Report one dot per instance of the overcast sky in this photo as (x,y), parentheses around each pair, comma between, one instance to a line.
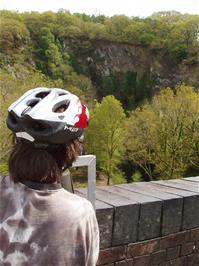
(141,8)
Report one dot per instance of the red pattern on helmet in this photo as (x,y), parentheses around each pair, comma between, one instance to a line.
(83,119)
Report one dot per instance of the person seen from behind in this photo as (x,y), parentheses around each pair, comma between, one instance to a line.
(43,224)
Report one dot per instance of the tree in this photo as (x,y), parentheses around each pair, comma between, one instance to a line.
(183,38)
(49,56)
(162,137)
(104,135)
(128,88)
(93,30)
(67,25)
(139,32)
(116,25)
(14,36)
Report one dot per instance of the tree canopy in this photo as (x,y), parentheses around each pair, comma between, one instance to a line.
(65,50)
(162,137)
(104,135)
(176,32)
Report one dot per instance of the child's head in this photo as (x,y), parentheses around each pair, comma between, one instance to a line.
(48,125)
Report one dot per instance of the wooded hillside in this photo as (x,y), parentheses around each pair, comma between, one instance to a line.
(96,56)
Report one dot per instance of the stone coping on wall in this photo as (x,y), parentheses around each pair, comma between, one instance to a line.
(141,211)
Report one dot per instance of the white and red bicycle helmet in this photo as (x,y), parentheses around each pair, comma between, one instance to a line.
(48,115)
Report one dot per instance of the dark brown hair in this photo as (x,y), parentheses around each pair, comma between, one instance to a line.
(41,165)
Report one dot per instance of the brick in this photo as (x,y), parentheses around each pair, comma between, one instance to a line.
(182,261)
(125,224)
(193,259)
(105,222)
(187,248)
(111,255)
(172,216)
(142,260)
(149,224)
(142,248)
(186,184)
(175,239)
(173,253)
(195,234)
(172,206)
(193,179)
(181,184)
(158,257)
(191,217)
(124,263)
(125,216)
(162,186)
(104,214)
(150,211)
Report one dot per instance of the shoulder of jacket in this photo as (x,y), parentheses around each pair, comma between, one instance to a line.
(5,181)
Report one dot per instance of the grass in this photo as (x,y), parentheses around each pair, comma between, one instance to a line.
(80,179)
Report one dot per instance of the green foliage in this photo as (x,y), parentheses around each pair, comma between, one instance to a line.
(118,177)
(14,36)
(116,25)
(127,87)
(170,30)
(103,137)
(97,19)
(67,25)
(175,32)
(162,137)
(136,177)
(180,34)
(3,169)
(139,32)
(48,54)
(37,50)
(93,30)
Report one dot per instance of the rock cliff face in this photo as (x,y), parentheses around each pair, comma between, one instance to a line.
(100,59)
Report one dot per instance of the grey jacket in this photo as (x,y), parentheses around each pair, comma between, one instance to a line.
(45,225)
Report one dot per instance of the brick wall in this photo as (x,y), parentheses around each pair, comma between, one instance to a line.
(155,223)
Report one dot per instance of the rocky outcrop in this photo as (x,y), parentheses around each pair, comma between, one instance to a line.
(100,59)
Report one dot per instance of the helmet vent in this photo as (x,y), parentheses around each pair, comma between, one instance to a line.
(42,94)
(61,107)
(32,103)
(13,119)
